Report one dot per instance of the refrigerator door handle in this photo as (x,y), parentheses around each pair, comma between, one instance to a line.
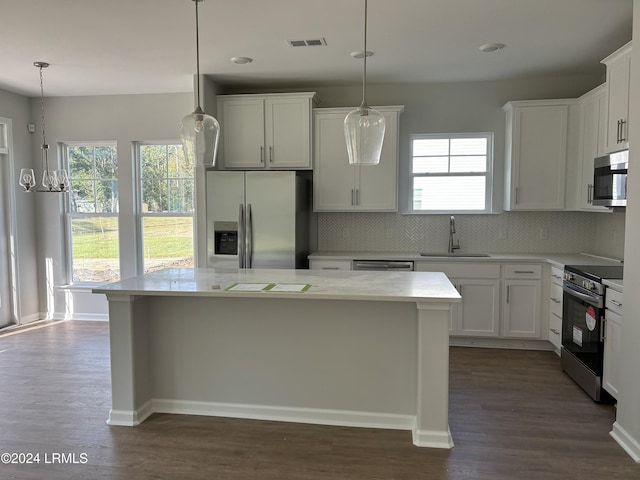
(241,238)
(249,240)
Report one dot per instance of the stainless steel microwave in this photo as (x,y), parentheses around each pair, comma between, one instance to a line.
(610,179)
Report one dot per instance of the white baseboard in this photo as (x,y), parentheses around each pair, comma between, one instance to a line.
(508,343)
(34,317)
(87,317)
(626,441)
(129,418)
(316,416)
(432,439)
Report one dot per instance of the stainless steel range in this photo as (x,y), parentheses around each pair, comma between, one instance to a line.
(583,325)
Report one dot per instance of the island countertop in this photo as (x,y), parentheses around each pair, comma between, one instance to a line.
(330,285)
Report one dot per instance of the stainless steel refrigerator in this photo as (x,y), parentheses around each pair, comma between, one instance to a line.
(258,219)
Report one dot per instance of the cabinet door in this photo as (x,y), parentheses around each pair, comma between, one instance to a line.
(521,309)
(618,75)
(377,185)
(479,313)
(612,341)
(537,157)
(288,133)
(333,177)
(242,128)
(592,140)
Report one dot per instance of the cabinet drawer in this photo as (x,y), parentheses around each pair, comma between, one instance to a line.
(522,271)
(330,264)
(460,270)
(555,330)
(614,301)
(555,299)
(557,275)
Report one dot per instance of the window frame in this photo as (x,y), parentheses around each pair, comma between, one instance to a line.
(140,215)
(488,174)
(69,216)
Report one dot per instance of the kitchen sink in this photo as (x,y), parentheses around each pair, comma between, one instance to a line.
(454,254)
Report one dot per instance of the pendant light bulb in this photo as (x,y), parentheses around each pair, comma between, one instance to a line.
(199,131)
(364,127)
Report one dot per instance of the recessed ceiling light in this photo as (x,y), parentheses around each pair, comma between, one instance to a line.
(241,60)
(360,54)
(491,47)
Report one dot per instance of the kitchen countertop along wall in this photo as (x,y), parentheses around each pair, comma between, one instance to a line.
(556,259)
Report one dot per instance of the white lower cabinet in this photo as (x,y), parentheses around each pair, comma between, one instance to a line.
(479,313)
(612,341)
(479,284)
(330,264)
(521,303)
(555,308)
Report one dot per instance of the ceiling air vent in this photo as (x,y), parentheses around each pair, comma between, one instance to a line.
(315,42)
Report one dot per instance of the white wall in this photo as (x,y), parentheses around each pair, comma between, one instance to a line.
(121,118)
(16,107)
(627,427)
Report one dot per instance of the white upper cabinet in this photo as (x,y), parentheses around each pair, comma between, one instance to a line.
(339,186)
(618,82)
(265,131)
(592,139)
(537,137)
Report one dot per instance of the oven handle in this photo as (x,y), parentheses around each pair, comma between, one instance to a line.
(590,299)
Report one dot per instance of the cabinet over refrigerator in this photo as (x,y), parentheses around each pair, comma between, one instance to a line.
(258,219)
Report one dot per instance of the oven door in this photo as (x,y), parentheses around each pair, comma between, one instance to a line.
(583,326)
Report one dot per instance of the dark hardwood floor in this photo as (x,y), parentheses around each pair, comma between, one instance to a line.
(513,415)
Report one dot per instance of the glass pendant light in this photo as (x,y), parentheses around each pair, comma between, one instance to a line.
(364,127)
(199,131)
(52,180)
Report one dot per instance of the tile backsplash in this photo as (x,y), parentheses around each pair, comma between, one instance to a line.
(507,232)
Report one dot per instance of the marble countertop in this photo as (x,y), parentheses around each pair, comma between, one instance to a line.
(428,287)
(557,259)
(616,284)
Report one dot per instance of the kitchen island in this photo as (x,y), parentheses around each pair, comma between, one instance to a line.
(368,349)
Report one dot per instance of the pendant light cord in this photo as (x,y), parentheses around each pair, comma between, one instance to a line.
(44,147)
(197,58)
(364,69)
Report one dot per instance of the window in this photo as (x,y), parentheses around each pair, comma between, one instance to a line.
(166,207)
(92,212)
(451,173)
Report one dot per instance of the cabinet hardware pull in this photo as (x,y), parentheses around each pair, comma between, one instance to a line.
(357,196)
(507,293)
(590,194)
(270,154)
(261,154)
(524,271)
(622,135)
(555,300)
(555,331)
(617,304)
(557,276)
(330,268)
(516,195)
(353,197)
(603,333)
(618,133)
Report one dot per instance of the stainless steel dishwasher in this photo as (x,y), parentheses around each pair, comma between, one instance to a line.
(383,265)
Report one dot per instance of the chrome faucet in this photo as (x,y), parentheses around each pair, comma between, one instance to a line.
(453,246)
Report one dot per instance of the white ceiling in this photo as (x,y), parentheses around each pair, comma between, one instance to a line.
(100,47)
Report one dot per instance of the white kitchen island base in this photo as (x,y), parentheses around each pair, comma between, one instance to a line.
(338,358)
